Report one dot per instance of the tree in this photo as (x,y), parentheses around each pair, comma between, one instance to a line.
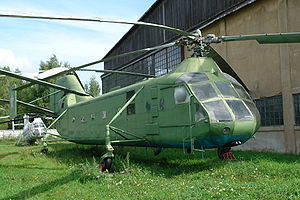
(52,63)
(93,87)
(4,108)
(28,94)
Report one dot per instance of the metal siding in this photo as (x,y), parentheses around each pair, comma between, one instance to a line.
(180,14)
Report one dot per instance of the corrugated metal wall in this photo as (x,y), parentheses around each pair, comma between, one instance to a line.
(182,14)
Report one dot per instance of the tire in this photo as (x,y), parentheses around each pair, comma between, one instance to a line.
(189,150)
(221,151)
(106,165)
(45,151)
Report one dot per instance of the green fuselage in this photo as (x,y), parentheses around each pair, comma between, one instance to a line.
(195,106)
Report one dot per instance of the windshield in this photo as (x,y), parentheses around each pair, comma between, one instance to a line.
(204,91)
(254,110)
(239,110)
(227,89)
(242,92)
(218,111)
(192,77)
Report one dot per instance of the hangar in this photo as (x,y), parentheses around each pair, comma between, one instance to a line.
(271,72)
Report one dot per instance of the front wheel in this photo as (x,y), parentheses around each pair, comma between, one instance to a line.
(222,150)
(106,165)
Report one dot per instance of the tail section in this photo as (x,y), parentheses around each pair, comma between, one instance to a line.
(62,100)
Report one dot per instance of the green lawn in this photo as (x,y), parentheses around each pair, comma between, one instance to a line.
(70,171)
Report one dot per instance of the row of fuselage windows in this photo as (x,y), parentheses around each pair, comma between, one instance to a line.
(271,110)
(104,114)
(130,109)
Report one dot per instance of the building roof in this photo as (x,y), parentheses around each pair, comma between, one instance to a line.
(195,14)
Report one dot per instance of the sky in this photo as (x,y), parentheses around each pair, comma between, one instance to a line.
(24,43)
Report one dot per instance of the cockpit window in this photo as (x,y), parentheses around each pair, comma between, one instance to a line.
(254,110)
(218,112)
(192,77)
(226,89)
(242,92)
(204,91)
(231,79)
(240,111)
(199,113)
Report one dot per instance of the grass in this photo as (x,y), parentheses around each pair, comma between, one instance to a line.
(70,171)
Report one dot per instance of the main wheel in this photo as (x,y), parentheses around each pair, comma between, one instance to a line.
(106,165)
(222,150)
(45,150)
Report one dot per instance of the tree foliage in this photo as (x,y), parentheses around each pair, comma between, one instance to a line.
(28,94)
(93,87)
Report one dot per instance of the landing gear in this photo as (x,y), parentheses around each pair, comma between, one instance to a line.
(189,150)
(44,150)
(157,151)
(106,165)
(222,151)
(106,158)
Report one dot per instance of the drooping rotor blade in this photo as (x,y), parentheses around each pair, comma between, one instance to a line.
(224,66)
(4,117)
(95,19)
(9,121)
(104,60)
(41,82)
(46,75)
(51,73)
(118,72)
(18,119)
(272,38)
(42,109)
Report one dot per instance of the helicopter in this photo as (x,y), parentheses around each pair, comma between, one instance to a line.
(32,131)
(202,104)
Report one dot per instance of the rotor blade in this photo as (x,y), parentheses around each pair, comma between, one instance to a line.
(117,72)
(272,38)
(9,121)
(224,66)
(45,110)
(51,73)
(46,75)
(41,82)
(95,19)
(4,117)
(105,60)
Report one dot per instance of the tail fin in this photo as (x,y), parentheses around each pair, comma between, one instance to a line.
(62,100)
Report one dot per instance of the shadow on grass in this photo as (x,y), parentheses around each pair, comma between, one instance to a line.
(7,154)
(43,187)
(169,163)
(28,166)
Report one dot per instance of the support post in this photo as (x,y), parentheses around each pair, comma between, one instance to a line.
(286,85)
(109,148)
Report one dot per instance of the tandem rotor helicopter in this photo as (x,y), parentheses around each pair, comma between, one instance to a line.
(202,104)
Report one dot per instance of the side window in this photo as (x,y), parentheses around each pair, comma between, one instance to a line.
(130,107)
(199,113)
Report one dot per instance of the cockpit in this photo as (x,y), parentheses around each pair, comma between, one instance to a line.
(223,98)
